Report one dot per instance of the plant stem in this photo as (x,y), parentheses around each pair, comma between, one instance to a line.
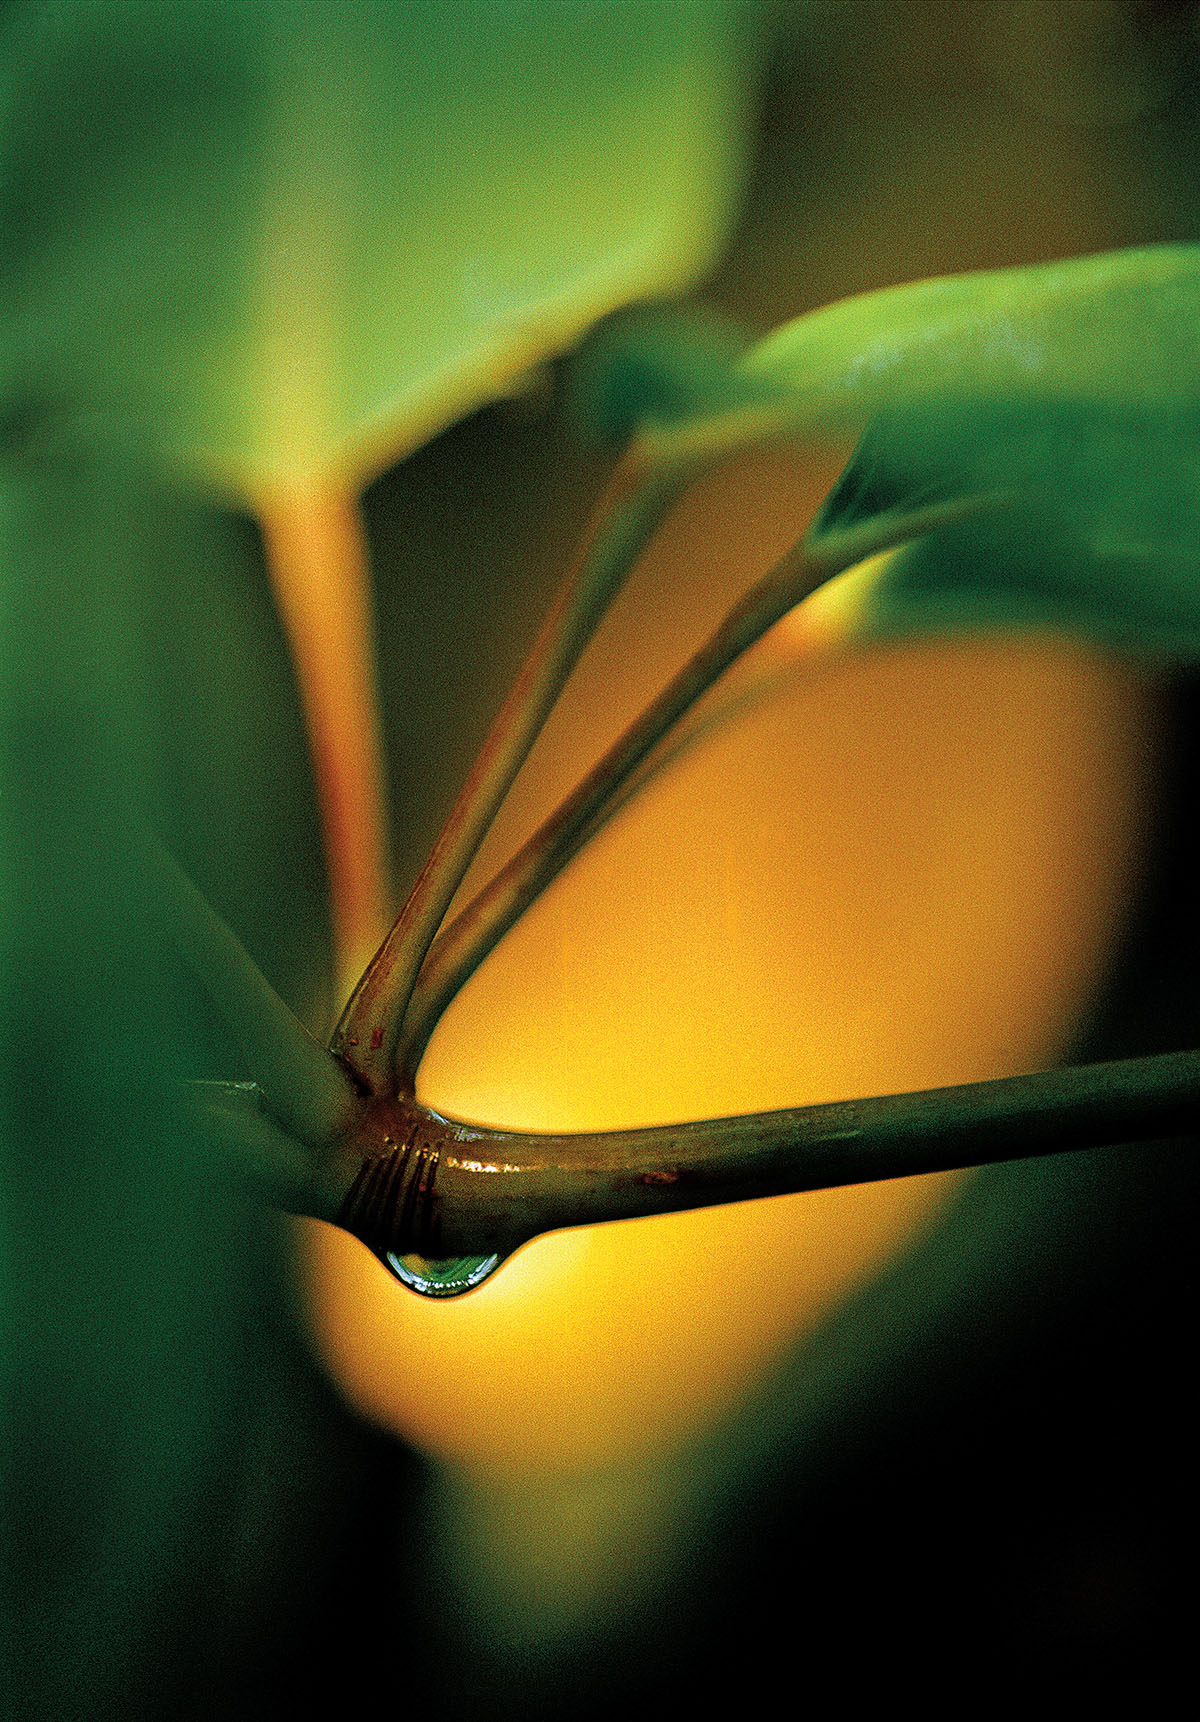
(417,1182)
(814,652)
(475,933)
(317,559)
(306,1091)
(630,511)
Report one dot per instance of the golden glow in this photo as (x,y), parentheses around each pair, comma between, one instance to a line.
(316,555)
(903,870)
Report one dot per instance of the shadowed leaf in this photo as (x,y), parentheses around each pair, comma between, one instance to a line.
(1096,527)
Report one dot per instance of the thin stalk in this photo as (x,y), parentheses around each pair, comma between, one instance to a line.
(813,653)
(686,735)
(419,1183)
(633,506)
(476,932)
(305,1090)
(317,559)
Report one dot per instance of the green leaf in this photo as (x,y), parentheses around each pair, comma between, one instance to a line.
(1119,332)
(1085,467)
(302,236)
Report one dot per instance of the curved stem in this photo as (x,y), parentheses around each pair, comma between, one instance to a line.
(632,508)
(475,933)
(417,1182)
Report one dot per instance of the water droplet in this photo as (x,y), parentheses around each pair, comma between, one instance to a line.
(448,1278)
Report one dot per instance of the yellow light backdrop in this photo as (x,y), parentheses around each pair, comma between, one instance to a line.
(905,868)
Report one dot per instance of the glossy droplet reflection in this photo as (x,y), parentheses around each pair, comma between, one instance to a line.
(450,1277)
